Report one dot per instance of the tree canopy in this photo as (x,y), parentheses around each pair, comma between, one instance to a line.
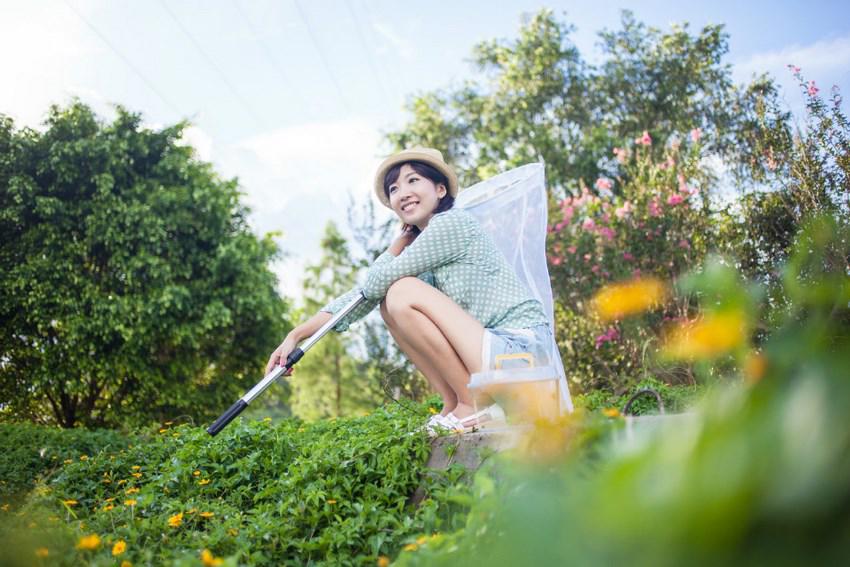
(131,286)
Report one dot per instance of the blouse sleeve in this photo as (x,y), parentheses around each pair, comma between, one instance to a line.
(444,240)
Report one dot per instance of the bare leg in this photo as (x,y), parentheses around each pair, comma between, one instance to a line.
(439,332)
(431,373)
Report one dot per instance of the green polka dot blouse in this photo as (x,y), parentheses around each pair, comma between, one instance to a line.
(456,256)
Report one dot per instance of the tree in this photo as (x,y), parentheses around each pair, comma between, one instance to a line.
(132,288)
(329,381)
(539,100)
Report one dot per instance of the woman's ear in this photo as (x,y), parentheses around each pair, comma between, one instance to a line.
(442,191)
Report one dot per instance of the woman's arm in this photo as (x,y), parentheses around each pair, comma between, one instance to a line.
(295,336)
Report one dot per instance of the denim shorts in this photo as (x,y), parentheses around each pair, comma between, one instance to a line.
(516,348)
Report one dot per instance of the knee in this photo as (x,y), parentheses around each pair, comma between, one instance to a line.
(385,313)
(399,297)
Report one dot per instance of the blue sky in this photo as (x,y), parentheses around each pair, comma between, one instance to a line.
(292,96)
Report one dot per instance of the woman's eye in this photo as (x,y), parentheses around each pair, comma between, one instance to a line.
(412,179)
(393,188)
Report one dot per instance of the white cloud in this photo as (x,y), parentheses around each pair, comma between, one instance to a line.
(200,140)
(40,44)
(825,57)
(296,179)
(403,48)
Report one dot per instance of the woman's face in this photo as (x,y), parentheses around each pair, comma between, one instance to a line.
(414,197)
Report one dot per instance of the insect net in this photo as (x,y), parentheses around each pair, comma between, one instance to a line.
(512,208)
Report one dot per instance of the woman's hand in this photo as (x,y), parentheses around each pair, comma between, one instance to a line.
(278,357)
(404,240)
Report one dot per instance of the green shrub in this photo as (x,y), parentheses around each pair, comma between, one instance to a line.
(332,492)
(31,452)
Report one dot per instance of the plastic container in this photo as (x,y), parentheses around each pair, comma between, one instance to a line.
(525,394)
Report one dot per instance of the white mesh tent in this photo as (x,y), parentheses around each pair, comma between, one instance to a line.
(512,209)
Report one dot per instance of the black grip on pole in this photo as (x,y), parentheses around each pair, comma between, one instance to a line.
(227,417)
(294,357)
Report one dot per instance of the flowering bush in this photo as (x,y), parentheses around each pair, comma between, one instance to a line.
(650,222)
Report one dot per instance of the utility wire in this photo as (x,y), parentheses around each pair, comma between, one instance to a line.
(126,61)
(371,17)
(322,56)
(287,81)
(375,72)
(216,68)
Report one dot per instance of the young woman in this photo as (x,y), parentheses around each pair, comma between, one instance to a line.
(446,293)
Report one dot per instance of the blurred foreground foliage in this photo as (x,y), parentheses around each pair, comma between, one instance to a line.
(758,474)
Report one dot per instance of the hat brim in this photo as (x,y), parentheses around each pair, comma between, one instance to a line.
(412,155)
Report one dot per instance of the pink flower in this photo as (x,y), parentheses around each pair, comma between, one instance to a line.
(568,214)
(607,233)
(623,211)
(572,249)
(604,185)
(645,140)
(560,226)
(612,334)
(812,90)
(588,224)
(794,69)
(555,260)
(654,207)
(587,257)
(683,243)
(696,134)
(674,199)
(622,154)
(595,269)
(668,163)
(628,257)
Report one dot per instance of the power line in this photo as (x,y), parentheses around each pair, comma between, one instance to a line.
(270,55)
(322,56)
(370,16)
(375,73)
(126,61)
(216,68)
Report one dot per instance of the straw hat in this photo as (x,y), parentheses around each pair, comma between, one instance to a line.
(426,155)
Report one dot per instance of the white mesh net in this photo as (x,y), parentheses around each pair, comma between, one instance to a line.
(512,209)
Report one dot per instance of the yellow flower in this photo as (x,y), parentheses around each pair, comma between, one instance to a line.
(135,467)
(209,560)
(69,502)
(4,507)
(431,410)
(89,542)
(267,419)
(109,499)
(754,367)
(411,547)
(331,501)
(163,430)
(126,564)
(421,540)
(710,336)
(168,422)
(132,490)
(122,481)
(233,531)
(204,481)
(137,474)
(383,561)
(192,511)
(619,300)
(42,552)
(206,514)
(84,457)
(175,520)
(67,462)
(106,481)
(130,502)
(108,507)
(196,473)
(611,412)
(119,547)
